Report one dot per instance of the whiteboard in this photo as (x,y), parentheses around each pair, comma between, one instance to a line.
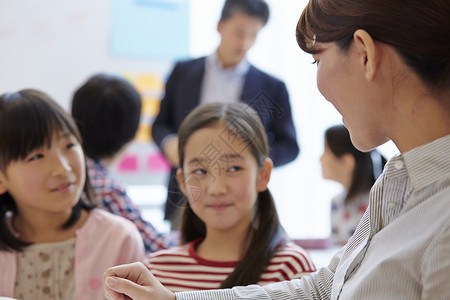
(56,45)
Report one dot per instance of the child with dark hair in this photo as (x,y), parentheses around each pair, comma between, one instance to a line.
(107,110)
(357,172)
(53,243)
(230,227)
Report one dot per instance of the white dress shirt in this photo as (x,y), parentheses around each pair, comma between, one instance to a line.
(220,84)
(401,248)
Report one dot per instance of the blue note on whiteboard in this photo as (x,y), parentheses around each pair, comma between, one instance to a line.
(154,29)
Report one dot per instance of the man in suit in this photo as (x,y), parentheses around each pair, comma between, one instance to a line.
(226,76)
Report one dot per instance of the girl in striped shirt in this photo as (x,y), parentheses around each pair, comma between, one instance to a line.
(230,227)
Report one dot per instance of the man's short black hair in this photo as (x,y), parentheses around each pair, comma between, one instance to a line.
(107,111)
(254,8)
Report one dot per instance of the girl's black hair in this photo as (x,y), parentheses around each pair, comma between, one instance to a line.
(265,234)
(28,120)
(367,169)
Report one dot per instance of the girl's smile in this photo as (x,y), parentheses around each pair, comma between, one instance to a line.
(54,177)
(221,184)
(64,187)
(219,206)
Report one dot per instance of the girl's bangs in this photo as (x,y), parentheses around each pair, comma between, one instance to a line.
(29,126)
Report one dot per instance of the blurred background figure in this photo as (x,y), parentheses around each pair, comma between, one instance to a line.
(356,171)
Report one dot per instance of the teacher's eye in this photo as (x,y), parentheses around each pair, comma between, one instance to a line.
(315,62)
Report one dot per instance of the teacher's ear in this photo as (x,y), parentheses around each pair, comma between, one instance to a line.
(367,52)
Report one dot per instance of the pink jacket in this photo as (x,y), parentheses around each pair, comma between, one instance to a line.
(105,240)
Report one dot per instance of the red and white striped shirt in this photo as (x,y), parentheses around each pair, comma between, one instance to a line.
(181,269)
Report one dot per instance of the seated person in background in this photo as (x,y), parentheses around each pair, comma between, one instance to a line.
(357,172)
(230,227)
(53,243)
(107,110)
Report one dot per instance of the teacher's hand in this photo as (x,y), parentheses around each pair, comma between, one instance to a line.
(134,281)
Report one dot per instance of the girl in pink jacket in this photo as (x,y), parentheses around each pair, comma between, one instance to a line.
(53,245)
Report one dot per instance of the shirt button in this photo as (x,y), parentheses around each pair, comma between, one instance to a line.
(398,165)
(392,204)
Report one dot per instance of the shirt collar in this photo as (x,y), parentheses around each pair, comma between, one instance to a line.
(96,164)
(428,163)
(213,63)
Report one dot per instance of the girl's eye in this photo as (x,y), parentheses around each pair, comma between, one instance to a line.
(71,142)
(36,157)
(199,172)
(234,169)
(315,62)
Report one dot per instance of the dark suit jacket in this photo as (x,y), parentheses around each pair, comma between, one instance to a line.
(265,94)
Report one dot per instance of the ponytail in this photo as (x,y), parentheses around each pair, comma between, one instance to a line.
(265,239)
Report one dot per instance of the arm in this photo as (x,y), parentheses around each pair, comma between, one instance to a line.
(165,127)
(315,286)
(134,281)
(283,144)
(164,123)
(436,267)
(169,147)
(269,97)
(181,96)
(137,282)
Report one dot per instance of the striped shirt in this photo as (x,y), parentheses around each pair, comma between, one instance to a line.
(401,248)
(181,269)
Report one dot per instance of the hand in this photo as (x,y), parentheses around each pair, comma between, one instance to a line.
(171,151)
(134,281)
